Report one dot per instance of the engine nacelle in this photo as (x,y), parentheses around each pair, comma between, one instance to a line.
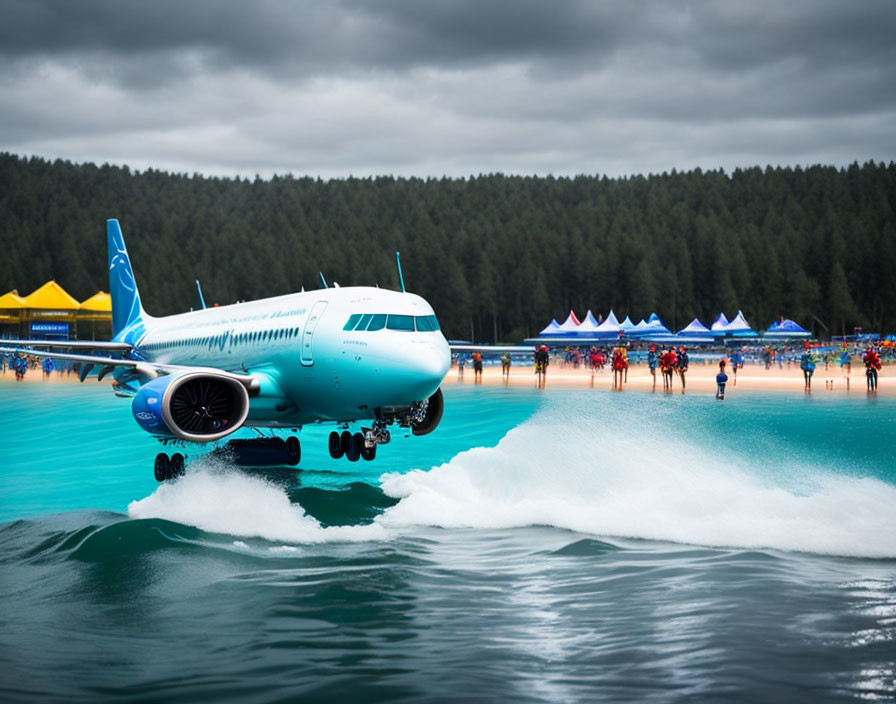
(194,406)
(431,415)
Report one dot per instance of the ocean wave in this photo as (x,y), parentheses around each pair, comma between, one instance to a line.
(571,466)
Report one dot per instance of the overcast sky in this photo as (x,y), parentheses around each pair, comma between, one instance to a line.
(453,87)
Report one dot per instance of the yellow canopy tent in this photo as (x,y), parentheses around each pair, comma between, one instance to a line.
(11,305)
(12,301)
(97,307)
(51,297)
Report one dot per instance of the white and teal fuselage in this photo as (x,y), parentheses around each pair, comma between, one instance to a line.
(311,368)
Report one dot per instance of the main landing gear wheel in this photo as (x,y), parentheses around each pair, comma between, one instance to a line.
(345,440)
(335,446)
(161,467)
(165,469)
(176,466)
(293,450)
(356,442)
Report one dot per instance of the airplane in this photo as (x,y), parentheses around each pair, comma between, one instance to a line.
(337,355)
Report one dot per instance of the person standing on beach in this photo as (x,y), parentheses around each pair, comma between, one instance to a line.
(48,366)
(845,361)
(542,359)
(505,367)
(460,366)
(682,364)
(721,380)
(807,364)
(477,368)
(872,366)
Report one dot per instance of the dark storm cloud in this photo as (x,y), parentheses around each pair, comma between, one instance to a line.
(458,86)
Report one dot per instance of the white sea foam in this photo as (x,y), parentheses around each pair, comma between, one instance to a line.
(646,483)
(219,499)
(650,482)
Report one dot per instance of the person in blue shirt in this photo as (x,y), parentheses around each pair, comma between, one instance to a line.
(49,365)
(652,362)
(807,364)
(721,380)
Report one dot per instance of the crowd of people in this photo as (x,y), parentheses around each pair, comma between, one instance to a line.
(673,361)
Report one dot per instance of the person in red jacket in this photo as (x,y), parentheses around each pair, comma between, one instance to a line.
(872,366)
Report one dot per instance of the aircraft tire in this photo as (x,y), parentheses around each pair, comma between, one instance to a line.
(357,442)
(368,453)
(335,446)
(176,466)
(346,442)
(161,469)
(293,450)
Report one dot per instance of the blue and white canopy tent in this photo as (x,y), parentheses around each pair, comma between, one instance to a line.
(720,324)
(739,327)
(552,329)
(588,327)
(627,325)
(570,325)
(695,333)
(786,329)
(610,328)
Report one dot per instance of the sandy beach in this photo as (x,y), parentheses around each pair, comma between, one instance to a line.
(700,378)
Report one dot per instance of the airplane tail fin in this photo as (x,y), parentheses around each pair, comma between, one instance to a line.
(126,308)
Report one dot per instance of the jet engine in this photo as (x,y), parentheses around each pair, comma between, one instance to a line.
(194,406)
(428,414)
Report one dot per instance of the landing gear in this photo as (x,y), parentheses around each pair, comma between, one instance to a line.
(251,452)
(335,446)
(165,468)
(293,450)
(161,467)
(355,446)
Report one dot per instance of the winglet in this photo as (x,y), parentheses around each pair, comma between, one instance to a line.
(126,307)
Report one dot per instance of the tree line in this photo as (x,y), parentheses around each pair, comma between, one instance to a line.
(497,256)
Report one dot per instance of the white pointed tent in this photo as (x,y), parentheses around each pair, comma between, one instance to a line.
(570,325)
(641,328)
(610,326)
(720,324)
(552,328)
(627,324)
(739,326)
(695,327)
(588,326)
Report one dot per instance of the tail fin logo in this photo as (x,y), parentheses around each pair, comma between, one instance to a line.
(126,308)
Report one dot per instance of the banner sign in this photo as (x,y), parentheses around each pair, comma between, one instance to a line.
(49,329)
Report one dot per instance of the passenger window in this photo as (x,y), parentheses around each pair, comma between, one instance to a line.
(377,322)
(352,321)
(404,323)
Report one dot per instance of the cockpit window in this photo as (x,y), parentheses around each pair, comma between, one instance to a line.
(427,323)
(400,322)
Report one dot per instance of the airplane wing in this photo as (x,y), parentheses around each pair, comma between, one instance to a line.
(71,344)
(139,366)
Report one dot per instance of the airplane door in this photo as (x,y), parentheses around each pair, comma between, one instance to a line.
(313,317)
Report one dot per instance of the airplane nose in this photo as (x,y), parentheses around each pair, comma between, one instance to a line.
(427,363)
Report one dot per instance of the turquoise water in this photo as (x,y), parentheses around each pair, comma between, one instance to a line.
(568,546)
